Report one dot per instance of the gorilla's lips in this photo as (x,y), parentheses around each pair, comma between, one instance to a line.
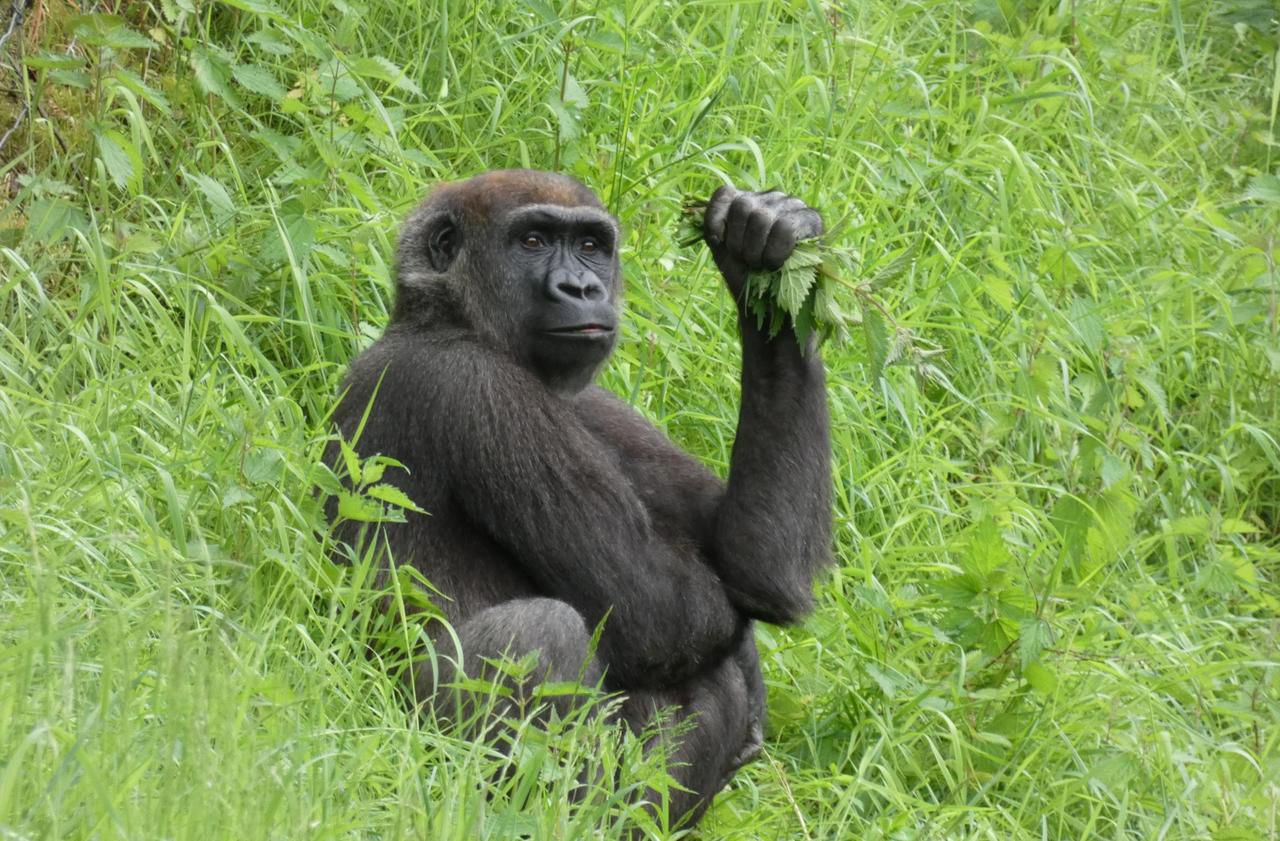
(584,330)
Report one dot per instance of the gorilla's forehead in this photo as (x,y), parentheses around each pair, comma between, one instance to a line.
(494,193)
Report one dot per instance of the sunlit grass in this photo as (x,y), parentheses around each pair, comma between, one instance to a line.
(1054,614)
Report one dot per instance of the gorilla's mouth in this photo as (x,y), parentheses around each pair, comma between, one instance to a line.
(590,330)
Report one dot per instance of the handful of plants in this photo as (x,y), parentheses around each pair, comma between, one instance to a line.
(804,290)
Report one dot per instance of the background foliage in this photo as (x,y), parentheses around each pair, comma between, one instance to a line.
(1055,612)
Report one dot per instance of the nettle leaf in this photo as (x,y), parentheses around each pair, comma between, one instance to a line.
(263,466)
(214,193)
(45,60)
(102,30)
(1034,636)
(802,290)
(987,551)
(797,277)
(877,335)
(1264,188)
(270,42)
(395,496)
(259,80)
(54,219)
(336,82)
(213,73)
(120,158)
(351,461)
(295,234)
(359,508)
(382,68)
(1040,677)
(71,78)
(133,82)
(566,116)
(258,8)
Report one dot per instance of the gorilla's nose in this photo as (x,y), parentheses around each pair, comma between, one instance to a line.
(583,286)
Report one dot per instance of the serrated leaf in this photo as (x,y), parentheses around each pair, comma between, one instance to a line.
(566,116)
(213,72)
(259,8)
(52,220)
(1264,188)
(1041,678)
(358,508)
(573,93)
(382,68)
(395,496)
(901,344)
(1072,518)
(119,157)
(373,471)
(128,79)
(263,466)
(794,282)
(336,82)
(71,78)
(896,266)
(269,42)
(214,193)
(802,322)
(877,335)
(1034,636)
(45,60)
(258,79)
(102,30)
(351,461)
(295,234)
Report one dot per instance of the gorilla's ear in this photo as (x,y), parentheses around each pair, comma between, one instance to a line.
(443,241)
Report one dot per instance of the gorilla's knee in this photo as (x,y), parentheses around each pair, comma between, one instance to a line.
(548,629)
(516,648)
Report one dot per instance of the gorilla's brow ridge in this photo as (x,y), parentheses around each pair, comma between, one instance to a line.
(562,215)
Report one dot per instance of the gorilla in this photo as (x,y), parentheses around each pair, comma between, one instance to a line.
(554,507)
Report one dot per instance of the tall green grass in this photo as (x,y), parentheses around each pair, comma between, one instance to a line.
(1055,609)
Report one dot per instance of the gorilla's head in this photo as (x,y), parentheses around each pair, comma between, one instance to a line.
(528,260)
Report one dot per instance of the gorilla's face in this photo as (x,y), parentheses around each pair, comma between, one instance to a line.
(530,261)
(562,279)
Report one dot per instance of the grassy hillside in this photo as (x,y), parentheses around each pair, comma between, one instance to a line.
(1057,445)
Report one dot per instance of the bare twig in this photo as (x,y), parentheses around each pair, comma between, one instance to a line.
(22,115)
(15,21)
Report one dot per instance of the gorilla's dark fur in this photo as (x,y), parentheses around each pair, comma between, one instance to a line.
(552,503)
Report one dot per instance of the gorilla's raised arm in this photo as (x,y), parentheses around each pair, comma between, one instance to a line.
(773,525)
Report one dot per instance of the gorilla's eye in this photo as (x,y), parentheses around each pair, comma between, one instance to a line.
(533,241)
(589,246)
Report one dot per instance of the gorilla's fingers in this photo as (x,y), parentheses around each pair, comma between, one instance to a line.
(717,212)
(755,236)
(781,242)
(735,227)
(808,224)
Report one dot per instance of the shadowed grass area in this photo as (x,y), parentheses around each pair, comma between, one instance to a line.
(1055,609)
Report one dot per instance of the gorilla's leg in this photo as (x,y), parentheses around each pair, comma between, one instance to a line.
(550,630)
(725,707)
(748,658)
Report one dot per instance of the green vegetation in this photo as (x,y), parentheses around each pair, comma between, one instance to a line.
(1055,612)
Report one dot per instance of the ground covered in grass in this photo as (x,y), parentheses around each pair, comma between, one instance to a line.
(1057,447)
